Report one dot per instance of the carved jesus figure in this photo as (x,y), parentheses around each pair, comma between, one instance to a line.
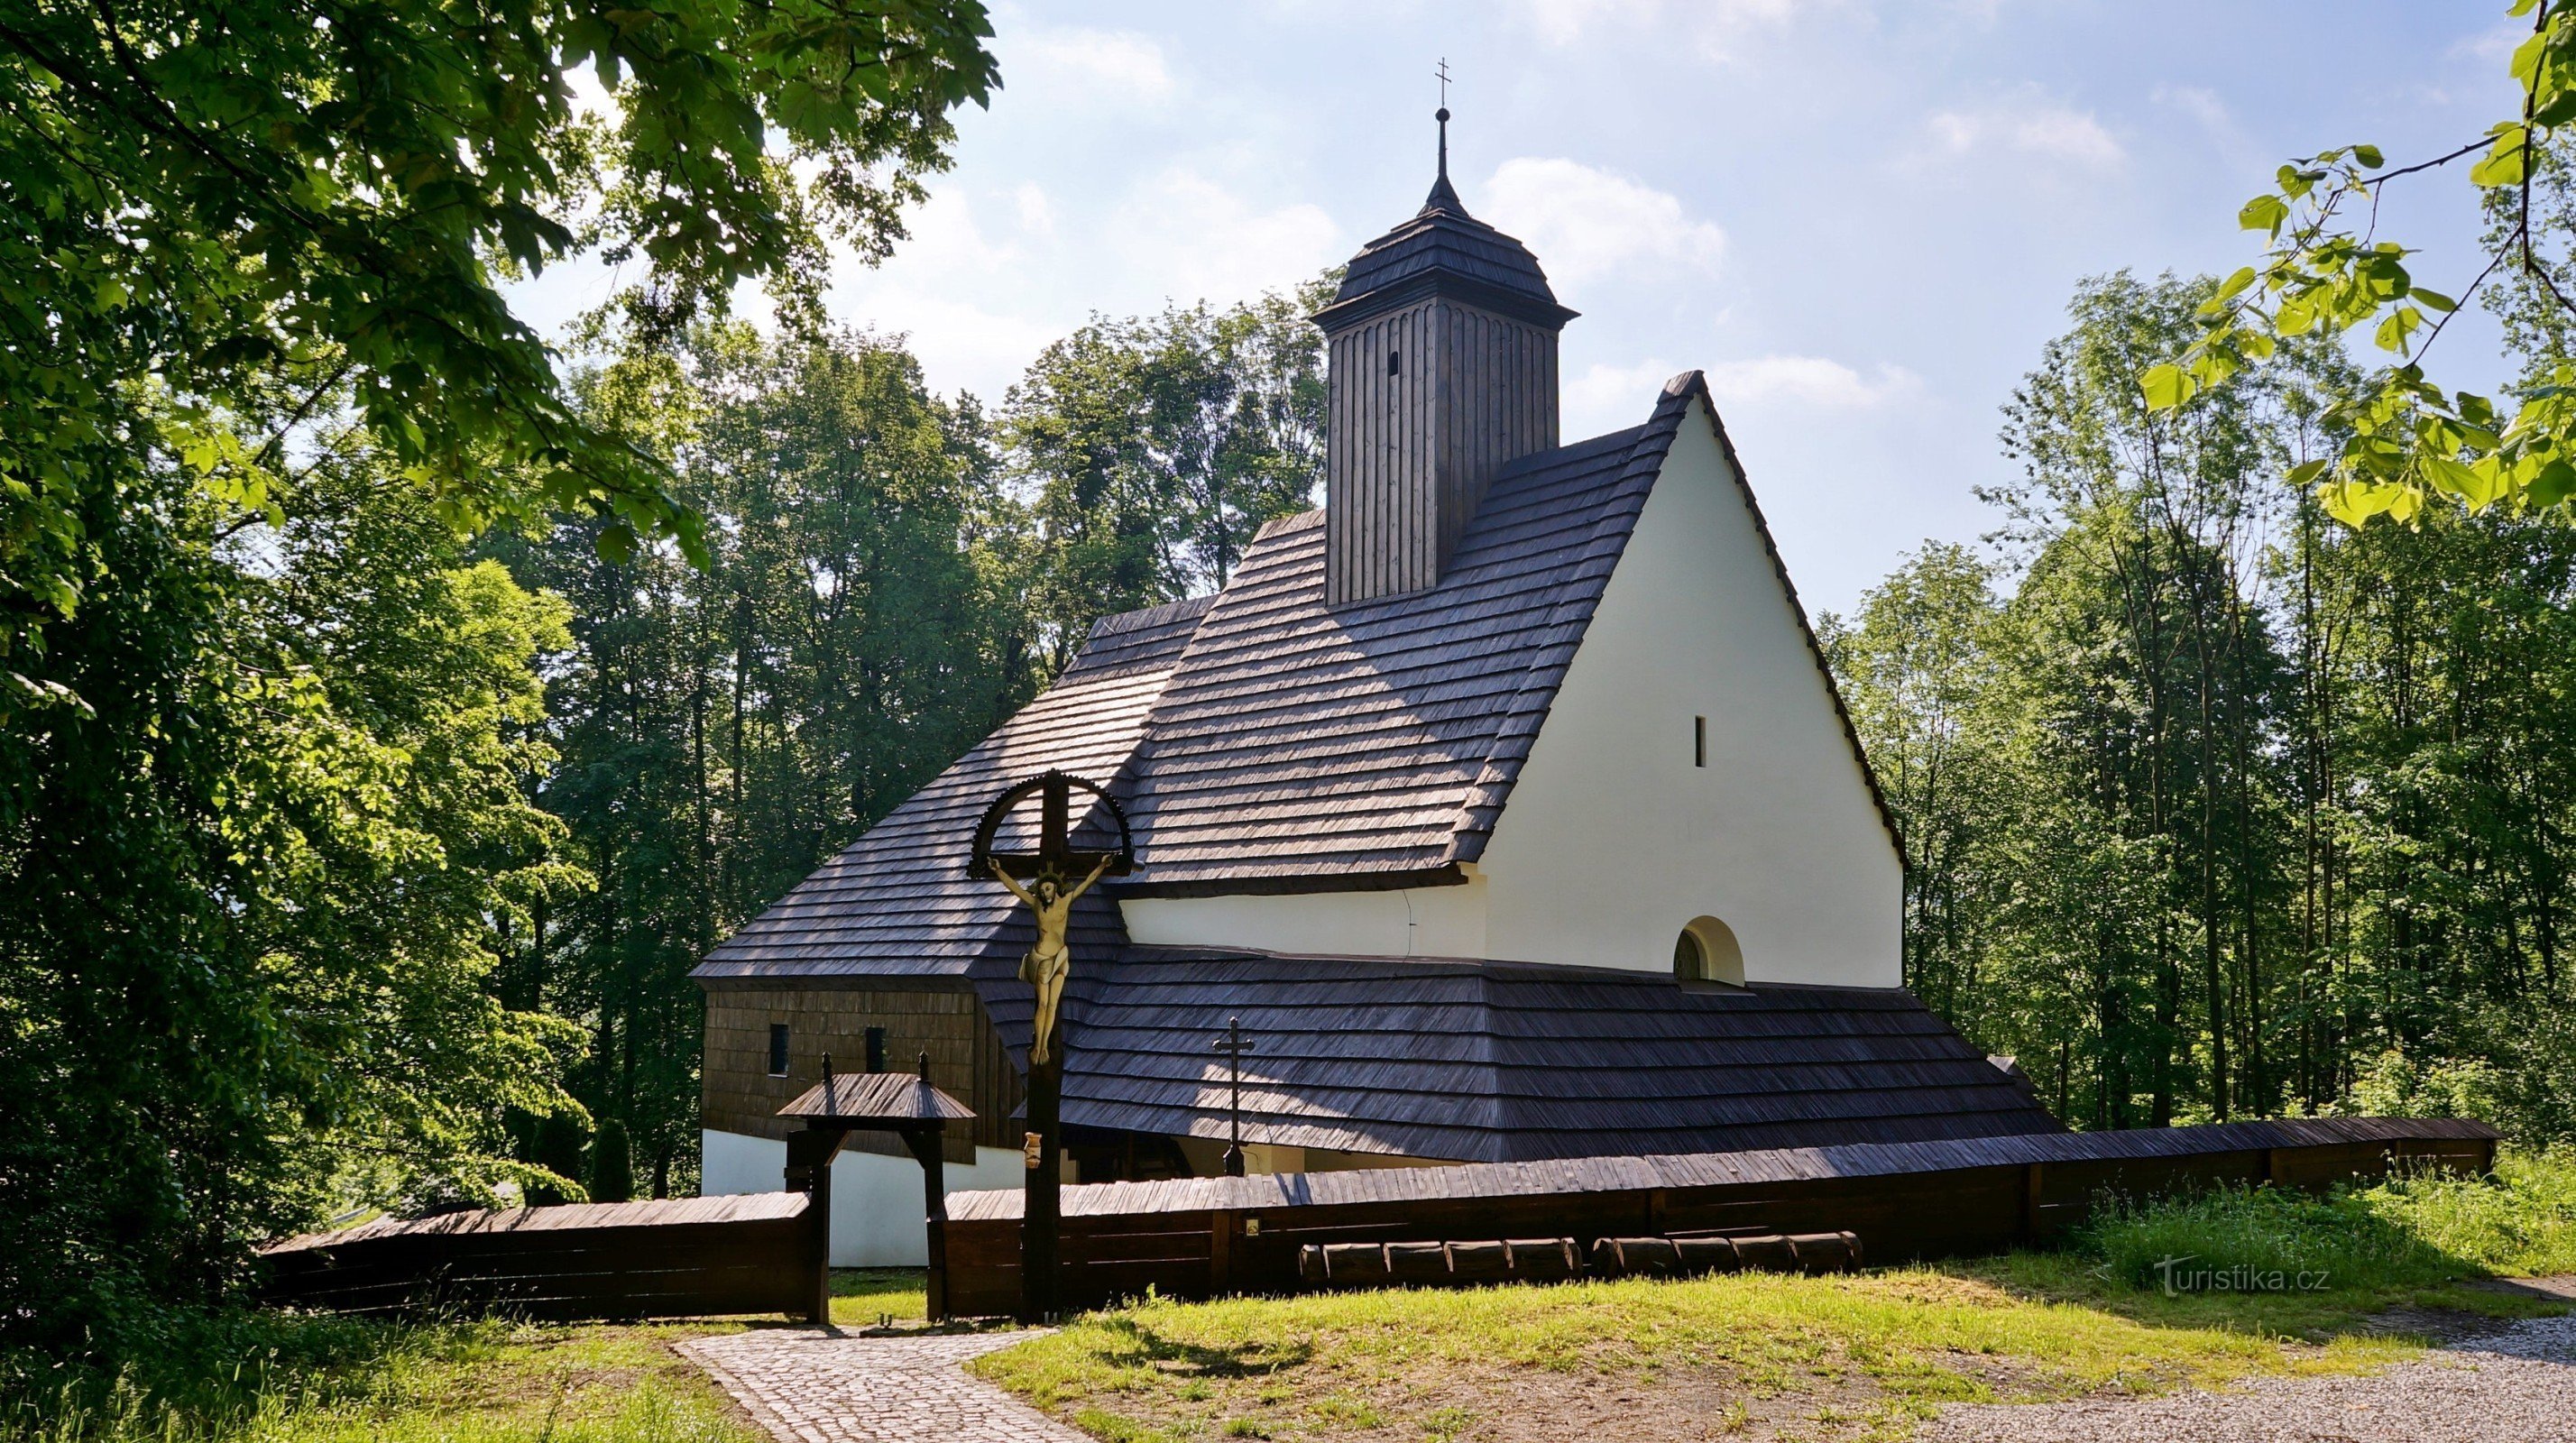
(1045,965)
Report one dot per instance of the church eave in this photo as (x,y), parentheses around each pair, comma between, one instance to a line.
(1448,285)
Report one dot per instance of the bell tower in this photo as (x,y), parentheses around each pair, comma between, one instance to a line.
(1441,360)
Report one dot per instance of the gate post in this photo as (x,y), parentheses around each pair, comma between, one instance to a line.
(809,1170)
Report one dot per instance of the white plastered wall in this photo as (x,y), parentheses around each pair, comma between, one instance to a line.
(876,1200)
(1612,840)
(1410,922)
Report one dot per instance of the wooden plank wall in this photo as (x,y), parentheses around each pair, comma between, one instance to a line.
(1409,454)
(967,1059)
(758,1259)
(1207,1252)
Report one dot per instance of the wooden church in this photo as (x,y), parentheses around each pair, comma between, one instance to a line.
(1506,801)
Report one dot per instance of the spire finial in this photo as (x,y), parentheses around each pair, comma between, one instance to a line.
(1442,115)
(1442,196)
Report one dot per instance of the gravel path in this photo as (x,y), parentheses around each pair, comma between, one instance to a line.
(807,1385)
(2518,1384)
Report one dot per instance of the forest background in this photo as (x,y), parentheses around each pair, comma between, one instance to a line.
(389,720)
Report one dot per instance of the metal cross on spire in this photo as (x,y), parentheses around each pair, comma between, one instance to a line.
(1442,115)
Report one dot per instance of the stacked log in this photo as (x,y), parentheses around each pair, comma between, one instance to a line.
(1548,1260)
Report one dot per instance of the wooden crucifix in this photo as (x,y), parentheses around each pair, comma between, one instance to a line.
(1044,880)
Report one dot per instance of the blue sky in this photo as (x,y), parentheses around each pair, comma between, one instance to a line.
(1862,217)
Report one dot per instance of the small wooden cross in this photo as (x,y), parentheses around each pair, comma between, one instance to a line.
(1233,1046)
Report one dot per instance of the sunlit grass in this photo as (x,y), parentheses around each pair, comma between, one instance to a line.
(1892,1345)
(448,1383)
(875,1297)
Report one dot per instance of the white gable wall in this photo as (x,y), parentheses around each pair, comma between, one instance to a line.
(1612,841)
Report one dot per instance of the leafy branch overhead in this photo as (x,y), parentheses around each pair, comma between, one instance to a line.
(2405,440)
(223,225)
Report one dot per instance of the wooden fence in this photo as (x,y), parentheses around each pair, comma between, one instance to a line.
(679,1257)
(1200,1237)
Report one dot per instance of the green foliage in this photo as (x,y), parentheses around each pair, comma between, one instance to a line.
(2520,1222)
(2404,440)
(2305,1241)
(251,894)
(1152,451)
(2223,805)
(612,1164)
(233,1377)
(214,226)
(2409,1232)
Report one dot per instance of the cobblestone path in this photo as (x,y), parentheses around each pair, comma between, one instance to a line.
(808,1386)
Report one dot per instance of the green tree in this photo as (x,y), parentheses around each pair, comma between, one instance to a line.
(218,221)
(1152,450)
(252,894)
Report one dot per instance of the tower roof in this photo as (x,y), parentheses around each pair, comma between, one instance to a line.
(1442,250)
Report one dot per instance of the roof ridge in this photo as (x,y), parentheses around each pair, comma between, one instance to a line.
(1569,619)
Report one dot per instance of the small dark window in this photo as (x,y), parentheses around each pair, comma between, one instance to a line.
(1395,363)
(1690,959)
(876,1049)
(1699,741)
(778,1049)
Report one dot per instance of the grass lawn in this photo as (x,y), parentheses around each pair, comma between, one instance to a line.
(485,1382)
(1866,1356)
(271,1379)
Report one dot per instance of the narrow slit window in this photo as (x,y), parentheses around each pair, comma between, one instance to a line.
(778,1049)
(876,1049)
(1395,363)
(1699,741)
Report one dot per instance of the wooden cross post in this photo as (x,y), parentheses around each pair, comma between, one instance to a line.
(1042,1149)
(1233,1046)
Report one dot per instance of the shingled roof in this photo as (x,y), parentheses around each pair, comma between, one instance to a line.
(1503,1061)
(1442,248)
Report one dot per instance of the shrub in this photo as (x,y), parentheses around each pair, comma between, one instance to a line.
(2334,1242)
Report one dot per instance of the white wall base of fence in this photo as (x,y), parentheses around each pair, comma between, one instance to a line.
(876,1200)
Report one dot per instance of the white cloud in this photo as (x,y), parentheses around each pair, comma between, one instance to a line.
(946,238)
(1811,381)
(1198,240)
(1037,213)
(1119,66)
(1606,397)
(1716,25)
(2201,104)
(1583,222)
(2025,125)
(961,346)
